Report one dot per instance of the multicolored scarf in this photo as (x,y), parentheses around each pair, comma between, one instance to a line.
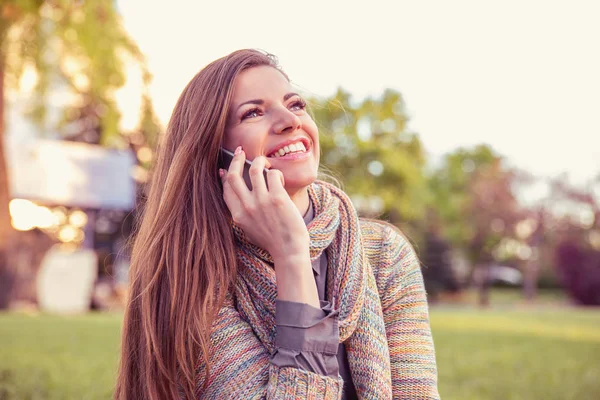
(351,288)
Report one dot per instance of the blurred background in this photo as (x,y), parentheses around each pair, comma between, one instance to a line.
(473,126)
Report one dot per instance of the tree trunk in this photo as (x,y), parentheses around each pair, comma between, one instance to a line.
(484,284)
(532,266)
(6,230)
(530,279)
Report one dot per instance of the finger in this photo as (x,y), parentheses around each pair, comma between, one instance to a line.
(235,177)
(233,202)
(276,181)
(259,185)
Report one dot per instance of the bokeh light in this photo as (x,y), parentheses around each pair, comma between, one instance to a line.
(26,215)
(78,218)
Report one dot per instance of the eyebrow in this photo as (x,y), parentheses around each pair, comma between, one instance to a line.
(261,102)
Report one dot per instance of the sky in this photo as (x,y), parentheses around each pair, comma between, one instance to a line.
(522,76)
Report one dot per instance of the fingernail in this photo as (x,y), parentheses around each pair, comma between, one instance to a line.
(238,150)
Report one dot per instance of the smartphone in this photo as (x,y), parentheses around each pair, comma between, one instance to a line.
(227,156)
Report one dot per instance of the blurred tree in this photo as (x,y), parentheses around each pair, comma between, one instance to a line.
(380,162)
(579,267)
(77,45)
(472,193)
(438,272)
(577,239)
(535,241)
(561,227)
(143,142)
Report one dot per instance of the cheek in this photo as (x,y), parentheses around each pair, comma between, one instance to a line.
(314,134)
(249,137)
(230,140)
(235,137)
(310,127)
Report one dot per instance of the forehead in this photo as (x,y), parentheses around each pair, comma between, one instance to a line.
(260,82)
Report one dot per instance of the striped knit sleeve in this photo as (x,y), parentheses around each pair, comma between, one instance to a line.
(406,317)
(241,367)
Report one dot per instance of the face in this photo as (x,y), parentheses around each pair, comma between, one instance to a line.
(267,118)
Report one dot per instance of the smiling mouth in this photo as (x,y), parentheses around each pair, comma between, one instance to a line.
(294,148)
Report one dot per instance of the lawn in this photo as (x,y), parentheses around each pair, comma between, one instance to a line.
(549,353)
(543,354)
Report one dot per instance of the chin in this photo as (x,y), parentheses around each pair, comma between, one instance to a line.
(295,183)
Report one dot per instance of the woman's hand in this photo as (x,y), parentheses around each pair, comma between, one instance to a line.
(268,217)
(270,220)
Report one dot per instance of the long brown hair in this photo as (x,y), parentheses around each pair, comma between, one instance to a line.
(183,258)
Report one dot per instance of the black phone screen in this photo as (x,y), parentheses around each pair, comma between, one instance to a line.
(225,161)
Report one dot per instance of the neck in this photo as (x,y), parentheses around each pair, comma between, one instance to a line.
(300,199)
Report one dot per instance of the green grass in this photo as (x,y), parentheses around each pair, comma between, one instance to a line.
(510,297)
(50,357)
(494,354)
(547,354)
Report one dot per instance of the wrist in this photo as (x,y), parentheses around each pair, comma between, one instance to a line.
(295,279)
(291,261)
(292,253)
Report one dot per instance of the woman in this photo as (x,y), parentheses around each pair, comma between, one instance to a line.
(279,291)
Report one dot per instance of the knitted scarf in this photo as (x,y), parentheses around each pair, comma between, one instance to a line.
(351,288)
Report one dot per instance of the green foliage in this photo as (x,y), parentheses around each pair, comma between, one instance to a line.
(368,146)
(78,43)
(472,196)
(449,185)
(149,124)
(21,38)
(545,354)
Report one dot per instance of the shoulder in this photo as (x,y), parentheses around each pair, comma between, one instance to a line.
(384,240)
(391,256)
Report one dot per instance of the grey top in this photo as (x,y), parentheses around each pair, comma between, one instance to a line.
(307,337)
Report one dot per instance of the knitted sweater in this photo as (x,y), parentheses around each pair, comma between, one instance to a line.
(395,281)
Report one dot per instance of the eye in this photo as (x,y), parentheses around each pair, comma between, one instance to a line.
(252,113)
(298,105)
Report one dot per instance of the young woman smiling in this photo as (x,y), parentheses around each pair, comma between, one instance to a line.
(279,291)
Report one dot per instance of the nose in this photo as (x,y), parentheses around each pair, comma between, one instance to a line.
(286,122)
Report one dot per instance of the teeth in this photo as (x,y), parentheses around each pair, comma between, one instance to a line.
(290,149)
